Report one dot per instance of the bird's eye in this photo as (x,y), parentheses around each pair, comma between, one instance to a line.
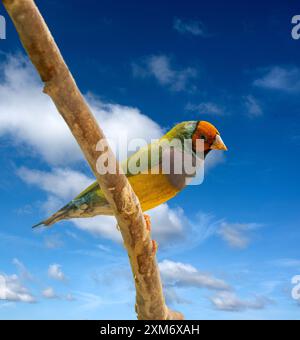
(204,138)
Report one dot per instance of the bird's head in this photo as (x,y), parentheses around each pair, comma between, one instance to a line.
(210,135)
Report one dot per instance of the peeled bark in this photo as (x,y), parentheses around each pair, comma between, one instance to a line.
(61,87)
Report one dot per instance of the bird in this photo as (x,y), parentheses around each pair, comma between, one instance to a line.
(153,188)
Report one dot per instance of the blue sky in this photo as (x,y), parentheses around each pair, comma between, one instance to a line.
(228,248)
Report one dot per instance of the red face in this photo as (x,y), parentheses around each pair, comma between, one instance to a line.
(210,135)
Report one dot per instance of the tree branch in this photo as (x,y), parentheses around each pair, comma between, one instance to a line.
(61,87)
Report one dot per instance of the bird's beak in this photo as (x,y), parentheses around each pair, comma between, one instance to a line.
(218,144)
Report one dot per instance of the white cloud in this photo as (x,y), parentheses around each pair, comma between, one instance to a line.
(207,108)
(237,235)
(12,289)
(124,123)
(55,272)
(167,225)
(203,227)
(285,79)
(253,107)
(53,242)
(103,226)
(63,183)
(159,67)
(73,235)
(184,275)
(228,301)
(30,118)
(213,159)
(23,271)
(194,27)
(172,297)
(90,301)
(52,204)
(103,248)
(70,297)
(49,293)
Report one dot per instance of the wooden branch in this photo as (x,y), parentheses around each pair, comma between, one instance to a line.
(61,87)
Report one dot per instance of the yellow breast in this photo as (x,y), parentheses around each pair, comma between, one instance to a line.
(152,189)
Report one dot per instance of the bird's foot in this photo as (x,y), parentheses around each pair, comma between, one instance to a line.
(154,247)
(148,222)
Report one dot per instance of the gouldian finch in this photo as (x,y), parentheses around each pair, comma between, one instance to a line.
(153,188)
